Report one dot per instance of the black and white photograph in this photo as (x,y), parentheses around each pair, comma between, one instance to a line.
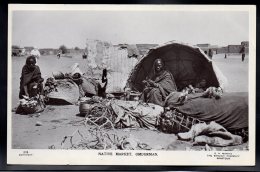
(131,84)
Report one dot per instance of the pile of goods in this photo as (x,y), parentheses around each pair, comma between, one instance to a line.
(97,112)
(50,85)
(213,92)
(30,105)
(105,113)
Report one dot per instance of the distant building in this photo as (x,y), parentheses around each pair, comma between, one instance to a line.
(144,48)
(203,45)
(28,49)
(206,47)
(78,51)
(48,51)
(237,48)
(222,50)
(17,51)
(234,48)
(245,43)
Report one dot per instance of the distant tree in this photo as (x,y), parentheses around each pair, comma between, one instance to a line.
(63,49)
(76,48)
(15,47)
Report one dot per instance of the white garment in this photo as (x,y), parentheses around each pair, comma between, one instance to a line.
(75,69)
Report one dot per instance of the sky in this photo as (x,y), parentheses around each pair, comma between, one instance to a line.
(50,29)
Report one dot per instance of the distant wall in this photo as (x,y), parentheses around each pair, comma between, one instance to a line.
(228,49)
(203,45)
(245,43)
(115,59)
(73,51)
(144,48)
(234,48)
(48,51)
(231,49)
(222,50)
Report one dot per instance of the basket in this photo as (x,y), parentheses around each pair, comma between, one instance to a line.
(175,122)
(29,109)
(32,105)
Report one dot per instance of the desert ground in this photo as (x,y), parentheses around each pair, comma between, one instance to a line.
(59,121)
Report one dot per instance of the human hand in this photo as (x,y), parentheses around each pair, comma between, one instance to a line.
(182,97)
(152,83)
(145,82)
(41,80)
(26,96)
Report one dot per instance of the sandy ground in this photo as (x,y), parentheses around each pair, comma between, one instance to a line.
(59,121)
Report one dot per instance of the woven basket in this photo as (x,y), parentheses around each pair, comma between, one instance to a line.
(175,122)
(32,108)
(29,109)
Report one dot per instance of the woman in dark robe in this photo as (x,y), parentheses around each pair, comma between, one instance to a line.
(158,85)
(31,80)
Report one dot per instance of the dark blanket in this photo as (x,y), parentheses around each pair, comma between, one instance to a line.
(230,111)
(28,77)
(157,95)
(165,82)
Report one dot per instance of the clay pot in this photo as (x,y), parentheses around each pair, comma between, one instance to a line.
(84,108)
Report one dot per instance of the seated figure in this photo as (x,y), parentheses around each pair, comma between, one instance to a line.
(31,80)
(158,85)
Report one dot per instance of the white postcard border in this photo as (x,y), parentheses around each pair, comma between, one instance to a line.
(90,157)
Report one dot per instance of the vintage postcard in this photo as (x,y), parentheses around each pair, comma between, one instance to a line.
(131,84)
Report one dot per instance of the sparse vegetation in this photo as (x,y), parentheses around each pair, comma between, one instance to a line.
(63,49)
(77,48)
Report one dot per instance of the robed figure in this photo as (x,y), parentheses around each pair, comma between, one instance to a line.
(159,84)
(31,80)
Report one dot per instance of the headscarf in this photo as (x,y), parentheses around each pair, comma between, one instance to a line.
(30,59)
(153,73)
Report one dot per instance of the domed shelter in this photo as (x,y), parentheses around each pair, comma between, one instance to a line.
(35,52)
(188,65)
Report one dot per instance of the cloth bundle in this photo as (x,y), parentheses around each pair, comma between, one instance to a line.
(212,134)
(123,114)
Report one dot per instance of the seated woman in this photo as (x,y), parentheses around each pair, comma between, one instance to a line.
(158,85)
(31,80)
